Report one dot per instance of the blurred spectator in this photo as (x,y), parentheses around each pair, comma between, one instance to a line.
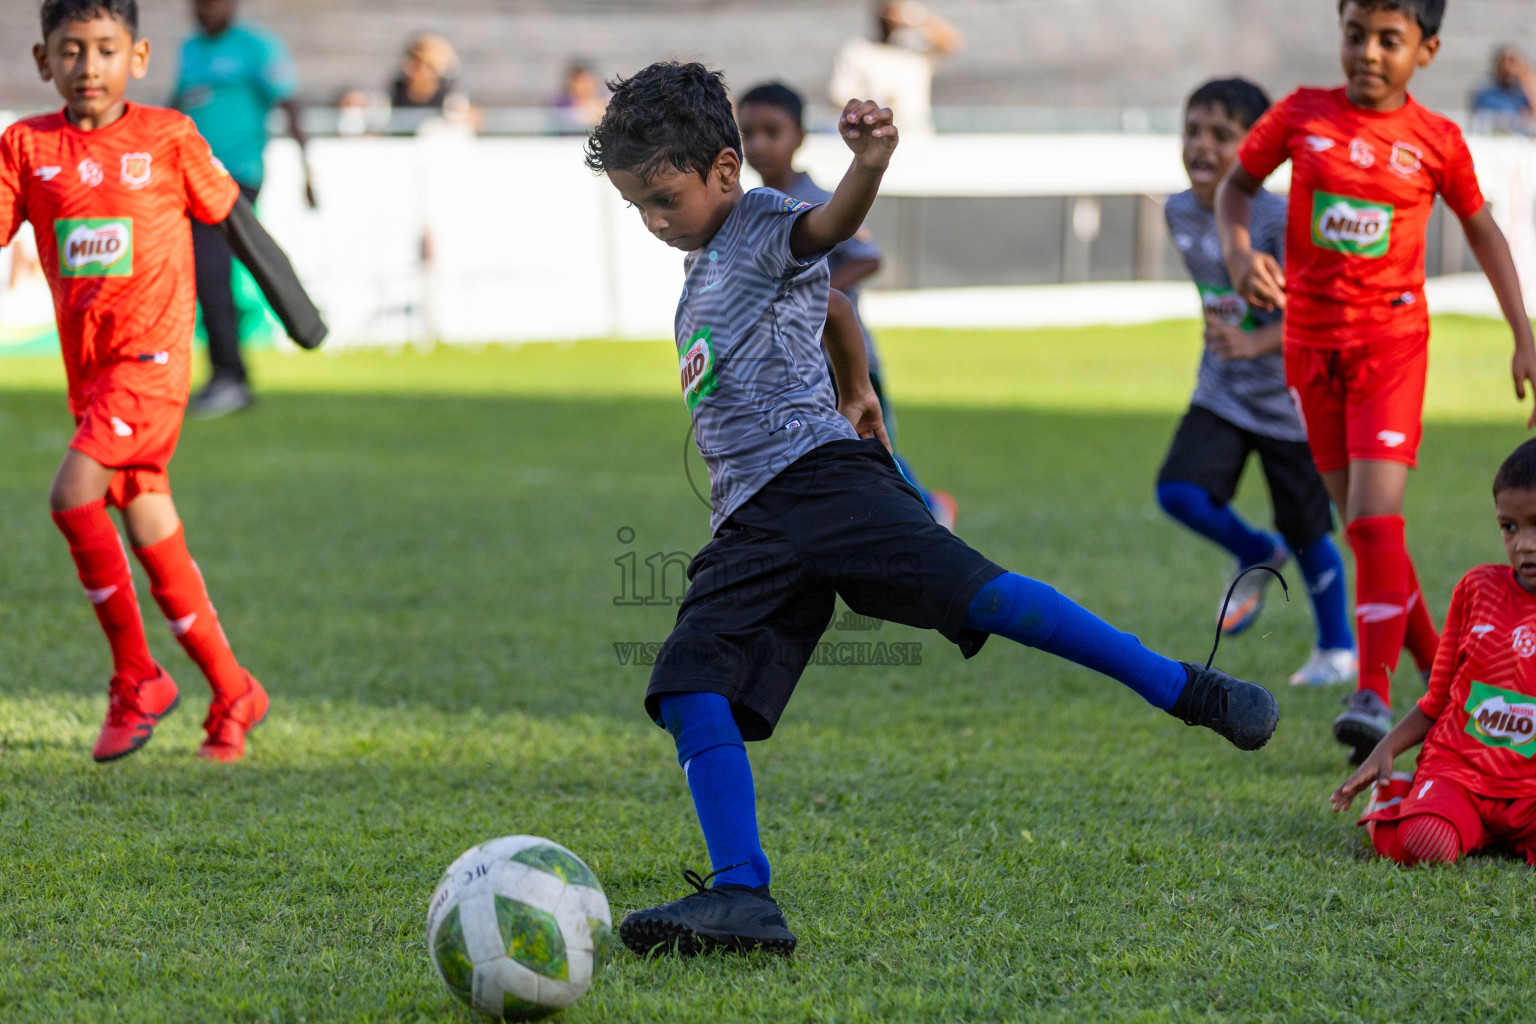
(231,76)
(1508,102)
(897,71)
(428,82)
(581,103)
(428,71)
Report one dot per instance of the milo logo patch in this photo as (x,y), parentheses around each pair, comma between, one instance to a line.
(95,246)
(1502,718)
(696,366)
(1226,305)
(1350,225)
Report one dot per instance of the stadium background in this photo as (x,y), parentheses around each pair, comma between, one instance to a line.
(1056,148)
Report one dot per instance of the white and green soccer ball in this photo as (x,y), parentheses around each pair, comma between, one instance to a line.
(519,927)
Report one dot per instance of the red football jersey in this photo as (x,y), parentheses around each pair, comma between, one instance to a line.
(110,210)
(1482,691)
(1363,185)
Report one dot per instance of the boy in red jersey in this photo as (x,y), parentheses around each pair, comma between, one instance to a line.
(1367,162)
(109,186)
(1476,781)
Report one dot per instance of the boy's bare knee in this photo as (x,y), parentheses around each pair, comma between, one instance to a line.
(150,519)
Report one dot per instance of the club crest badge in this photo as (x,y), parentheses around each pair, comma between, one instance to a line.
(135,173)
(1406,159)
(1523,640)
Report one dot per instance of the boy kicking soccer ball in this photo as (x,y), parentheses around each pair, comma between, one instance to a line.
(1366,165)
(771,118)
(1241,405)
(1475,785)
(109,186)
(808,504)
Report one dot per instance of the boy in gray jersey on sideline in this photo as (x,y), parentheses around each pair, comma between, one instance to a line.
(808,505)
(1241,403)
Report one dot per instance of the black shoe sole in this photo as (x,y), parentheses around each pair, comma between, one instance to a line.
(147,736)
(1358,736)
(657,937)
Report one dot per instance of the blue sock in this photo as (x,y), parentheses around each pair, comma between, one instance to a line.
(714,758)
(1323,570)
(1191,505)
(1035,615)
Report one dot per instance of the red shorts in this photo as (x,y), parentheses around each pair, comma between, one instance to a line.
(132,433)
(1479,821)
(1364,402)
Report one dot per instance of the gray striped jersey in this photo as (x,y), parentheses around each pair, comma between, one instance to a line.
(748,329)
(1249,393)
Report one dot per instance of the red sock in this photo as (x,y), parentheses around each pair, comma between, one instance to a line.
(103,566)
(1381,598)
(178,588)
(1421,638)
(1428,839)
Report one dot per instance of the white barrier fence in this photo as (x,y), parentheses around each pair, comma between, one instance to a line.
(463,240)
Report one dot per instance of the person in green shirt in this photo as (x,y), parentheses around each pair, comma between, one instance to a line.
(231,76)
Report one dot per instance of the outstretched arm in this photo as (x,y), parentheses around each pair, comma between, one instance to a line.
(1487,243)
(868,130)
(1405,735)
(1256,276)
(269,265)
(844,341)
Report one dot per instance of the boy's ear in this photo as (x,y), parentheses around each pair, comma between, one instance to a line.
(727,168)
(40,54)
(1427,50)
(138,67)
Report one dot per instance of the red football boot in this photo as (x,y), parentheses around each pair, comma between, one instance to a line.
(133,711)
(228,724)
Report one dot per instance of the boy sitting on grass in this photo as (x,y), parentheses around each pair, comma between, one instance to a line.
(808,504)
(1476,781)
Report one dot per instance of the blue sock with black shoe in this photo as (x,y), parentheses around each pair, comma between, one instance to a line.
(1323,570)
(1192,505)
(1034,614)
(714,759)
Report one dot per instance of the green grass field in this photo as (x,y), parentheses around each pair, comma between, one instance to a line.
(417,554)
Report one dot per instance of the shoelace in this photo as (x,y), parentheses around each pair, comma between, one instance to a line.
(698,881)
(1228,600)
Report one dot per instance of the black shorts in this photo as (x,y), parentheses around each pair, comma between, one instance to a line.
(839,521)
(1210,452)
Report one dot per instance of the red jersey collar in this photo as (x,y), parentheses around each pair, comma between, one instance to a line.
(1341,96)
(130,109)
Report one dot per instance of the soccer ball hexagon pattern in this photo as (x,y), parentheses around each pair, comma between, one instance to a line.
(519,927)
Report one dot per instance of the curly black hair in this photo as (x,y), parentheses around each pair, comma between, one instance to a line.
(1243,101)
(1428,13)
(61,12)
(668,115)
(1518,473)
